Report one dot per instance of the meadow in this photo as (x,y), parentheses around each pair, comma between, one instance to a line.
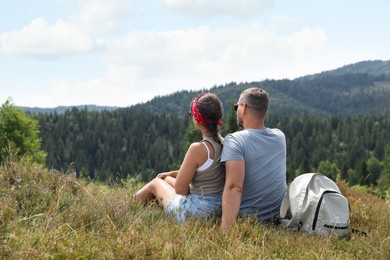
(46,214)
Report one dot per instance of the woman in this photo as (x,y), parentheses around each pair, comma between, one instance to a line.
(196,188)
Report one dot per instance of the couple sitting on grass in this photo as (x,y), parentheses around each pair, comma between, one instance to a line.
(246,176)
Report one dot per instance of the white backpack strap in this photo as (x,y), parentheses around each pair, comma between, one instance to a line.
(285,205)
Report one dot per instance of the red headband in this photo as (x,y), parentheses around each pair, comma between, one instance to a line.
(196,114)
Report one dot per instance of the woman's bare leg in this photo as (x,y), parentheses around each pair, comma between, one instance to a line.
(171,181)
(156,188)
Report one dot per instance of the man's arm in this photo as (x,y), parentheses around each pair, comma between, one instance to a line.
(232,192)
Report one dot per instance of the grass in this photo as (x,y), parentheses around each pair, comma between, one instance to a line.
(48,214)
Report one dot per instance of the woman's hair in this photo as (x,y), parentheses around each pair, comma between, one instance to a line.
(210,107)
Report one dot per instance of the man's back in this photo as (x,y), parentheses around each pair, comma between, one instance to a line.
(264,154)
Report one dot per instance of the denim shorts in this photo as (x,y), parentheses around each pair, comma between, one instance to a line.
(204,207)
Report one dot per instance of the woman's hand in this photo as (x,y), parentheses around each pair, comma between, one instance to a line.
(163,175)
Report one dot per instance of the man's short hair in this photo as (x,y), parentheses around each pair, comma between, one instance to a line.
(256,99)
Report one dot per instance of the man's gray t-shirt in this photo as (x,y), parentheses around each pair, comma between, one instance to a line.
(264,154)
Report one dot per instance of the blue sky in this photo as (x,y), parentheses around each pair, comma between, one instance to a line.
(124,52)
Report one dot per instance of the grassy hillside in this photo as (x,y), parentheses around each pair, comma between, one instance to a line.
(47,214)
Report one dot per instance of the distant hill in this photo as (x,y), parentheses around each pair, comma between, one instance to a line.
(358,89)
(62,109)
(361,88)
(374,67)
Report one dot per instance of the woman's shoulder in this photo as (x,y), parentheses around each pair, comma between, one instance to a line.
(213,140)
(196,147)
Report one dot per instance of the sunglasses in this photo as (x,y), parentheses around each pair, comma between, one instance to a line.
(236,106)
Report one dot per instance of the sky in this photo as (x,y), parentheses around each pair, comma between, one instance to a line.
(124,52)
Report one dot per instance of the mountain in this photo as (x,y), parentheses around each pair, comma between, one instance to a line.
(361,88)
(357,89)
(62,109)
(374,67)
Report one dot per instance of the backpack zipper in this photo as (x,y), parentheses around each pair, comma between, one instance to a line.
(318,207)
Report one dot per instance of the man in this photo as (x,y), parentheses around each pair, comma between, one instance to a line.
(255,160)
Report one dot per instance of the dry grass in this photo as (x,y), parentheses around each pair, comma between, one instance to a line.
(47,214)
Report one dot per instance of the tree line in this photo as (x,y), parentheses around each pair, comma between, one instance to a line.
(117,144)
(111,145)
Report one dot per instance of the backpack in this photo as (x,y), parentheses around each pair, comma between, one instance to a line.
(316,205)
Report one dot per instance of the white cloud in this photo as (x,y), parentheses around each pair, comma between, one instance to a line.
(239,53)
(99,16)
(40,39)
(114,90)
(63,92)
(145,64)
(44,40)
(283,20)
(306,41)
(207,8)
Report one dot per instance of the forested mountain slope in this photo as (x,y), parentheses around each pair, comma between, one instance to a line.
(335,123)
(357,89)
(374,67)
(361,88)
(114,145)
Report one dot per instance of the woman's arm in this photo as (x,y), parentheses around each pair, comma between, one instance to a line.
(169,177)
(196,155)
